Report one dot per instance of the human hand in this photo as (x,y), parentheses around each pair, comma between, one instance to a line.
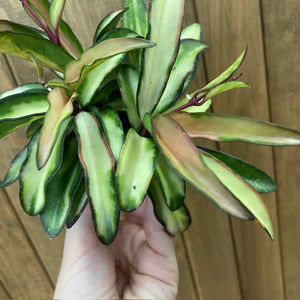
(139,264)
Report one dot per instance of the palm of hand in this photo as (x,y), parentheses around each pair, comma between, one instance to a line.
(139,264)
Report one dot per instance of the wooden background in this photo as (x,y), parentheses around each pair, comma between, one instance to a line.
(219,257)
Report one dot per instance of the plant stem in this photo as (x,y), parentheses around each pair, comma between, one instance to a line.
(37,19)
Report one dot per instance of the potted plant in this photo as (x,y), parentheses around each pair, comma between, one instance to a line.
(115,123)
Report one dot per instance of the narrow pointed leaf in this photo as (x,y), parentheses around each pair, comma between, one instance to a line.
(135,169)
(165,25)
(33,127)
(20,109)
(136,17)
(96,55)
(78,204)
(241,190)
(113,129)
(95,78)
(14,168)
(38,67)
(257,178)
(179,150)
(185,65)
(108,23)
(99,176)
(56,11)
(46,52)
(33,181)
(119,33)
(192,31)
(28,88)
(60,108)
(173,186)
(128,79)
(60,190)
(228,72)
(6,25)
(224,87)
(229,128)
(67,37)
(173,221)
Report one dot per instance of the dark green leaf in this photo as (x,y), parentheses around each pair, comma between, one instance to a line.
(33,127)
(135,169)
(173,186)
(25,88)
(33,181)
(173,221)
(257,178)
(46,52)
(20,109)
(6,25)
(108,23)
(14,168)
(78,204)
(60,190)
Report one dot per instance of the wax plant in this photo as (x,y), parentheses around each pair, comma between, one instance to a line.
(115,123)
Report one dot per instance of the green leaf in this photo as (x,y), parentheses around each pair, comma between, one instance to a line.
(173,221)
(14,168)
(136,17)
(20,109)
(33,181)
(33,127)
(165,25)
(135,169)
(182,154)
(6,25)
(108,23)
(128,79)
(99,175)
(185,65)
(224,87)
(112,127)
(67,37)
(60,190)
(230,128)
(227,73)
(173,186)
(28,87)
(45,52)
(257,178)
(56,11)
(95,78)
(192,31)
(119,33)
(61,108)
(241,190)
(99,53)
(78,204)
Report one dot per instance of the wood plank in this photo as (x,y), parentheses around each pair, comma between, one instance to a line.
(281,23)
(3,292)
(22,273)
(229,26)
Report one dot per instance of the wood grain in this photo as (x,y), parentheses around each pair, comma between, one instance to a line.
(282,44)
(21,270)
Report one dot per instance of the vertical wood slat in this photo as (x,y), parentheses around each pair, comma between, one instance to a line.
(4,294)
(282,44)
(229,25)
(21,270)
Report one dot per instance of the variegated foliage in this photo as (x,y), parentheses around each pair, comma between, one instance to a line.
(116,125)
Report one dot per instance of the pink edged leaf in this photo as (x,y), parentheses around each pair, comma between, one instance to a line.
(228,128)
(60,108)
(183,155)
